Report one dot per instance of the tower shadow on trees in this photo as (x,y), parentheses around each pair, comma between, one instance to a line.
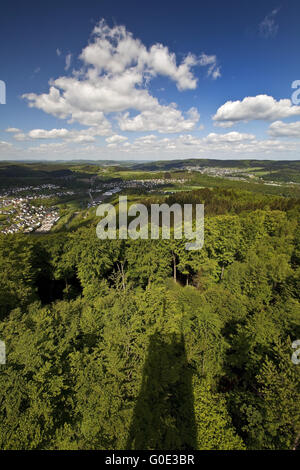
(164,417)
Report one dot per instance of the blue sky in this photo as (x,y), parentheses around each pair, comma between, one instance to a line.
(156,80)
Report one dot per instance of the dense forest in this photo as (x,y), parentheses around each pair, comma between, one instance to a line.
(141,344)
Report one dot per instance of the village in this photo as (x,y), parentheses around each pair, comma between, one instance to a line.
(229,173)
(17,215)
(114,188)
(42,191)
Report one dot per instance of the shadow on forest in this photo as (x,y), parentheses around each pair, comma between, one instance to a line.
(164,416)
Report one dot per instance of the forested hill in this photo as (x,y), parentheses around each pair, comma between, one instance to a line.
(128,344)
(271,165)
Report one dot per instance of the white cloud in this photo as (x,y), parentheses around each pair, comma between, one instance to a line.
(69,105)
(68,61)
(115,139)
(228,145)
(72,135)
(12,130)
(230,137)
(21,136)
(214,70)
(282,129)
(164,119)
(146,139)
(262,107)
(5,145)
(44,134)
(58,52)
(114,50)
(116,71)
(268,27)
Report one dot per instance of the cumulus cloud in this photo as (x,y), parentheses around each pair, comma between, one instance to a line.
(12,130)
(69,105)
(223,145)
(164,119)
(20,136)
(72,135)
(260,107)
(115,139)
(44,134)
(230,137)
(227,145)
(268,27)
(114,78)
(282,129)
(114,50)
